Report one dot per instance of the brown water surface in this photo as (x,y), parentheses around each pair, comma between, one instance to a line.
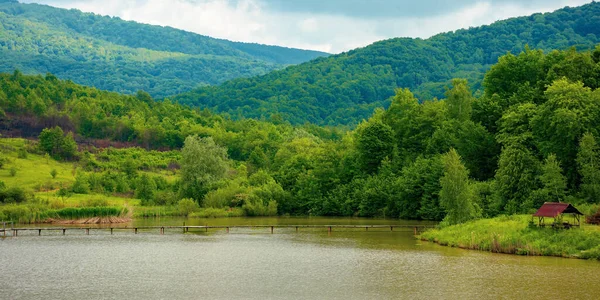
(254,264)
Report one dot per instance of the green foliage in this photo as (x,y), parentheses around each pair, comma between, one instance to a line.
(53,173)
(588,163)
(22,153)
(187,206)
(456,195)
(511,234)
(374,144)
(117,55)
(203,163)
(145,189)
(60,146)
(14,195)
(459,100)
(345,88)
(552,179)
(81,185)
(395,164)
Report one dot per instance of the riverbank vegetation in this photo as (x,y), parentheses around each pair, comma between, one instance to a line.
(515,235)
(531,137)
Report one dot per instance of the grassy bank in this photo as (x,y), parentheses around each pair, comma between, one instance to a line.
(36,213)
(513,235)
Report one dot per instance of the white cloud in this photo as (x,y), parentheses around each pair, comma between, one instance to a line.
(254,21)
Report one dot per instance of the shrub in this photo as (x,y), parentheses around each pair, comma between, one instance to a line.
(14,195)
(187,206)
(22,153)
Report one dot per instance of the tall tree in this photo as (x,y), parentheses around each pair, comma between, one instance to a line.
(455,195)
(552,178)
(375,142)
(459,100)
(203,163)
(588,164)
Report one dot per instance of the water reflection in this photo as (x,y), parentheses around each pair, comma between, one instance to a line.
(254,264)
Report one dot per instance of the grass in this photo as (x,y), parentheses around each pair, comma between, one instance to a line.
(37,213)
(155,211)
(218,213)
(513,235)
(34,171)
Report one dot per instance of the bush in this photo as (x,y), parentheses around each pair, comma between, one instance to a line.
(14,195)
(165,198)
(22,153)
(53,173)
(187,206)
(81,185)
(13,171)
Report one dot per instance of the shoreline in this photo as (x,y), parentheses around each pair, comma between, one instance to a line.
(513,235)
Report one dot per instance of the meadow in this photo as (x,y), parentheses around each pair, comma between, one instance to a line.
(518,235)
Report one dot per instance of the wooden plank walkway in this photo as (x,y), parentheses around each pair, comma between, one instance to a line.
(184,229)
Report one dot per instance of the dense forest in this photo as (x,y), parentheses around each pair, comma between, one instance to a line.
(345,88)
(529,137)
(112,54)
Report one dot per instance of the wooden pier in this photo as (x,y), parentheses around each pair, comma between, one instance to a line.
(14,232)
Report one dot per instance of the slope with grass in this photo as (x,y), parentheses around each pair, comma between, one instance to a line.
(121,56)
(345,88)
(515,235)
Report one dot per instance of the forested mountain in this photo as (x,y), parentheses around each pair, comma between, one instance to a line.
(530,137)
(345,88)
(122,56)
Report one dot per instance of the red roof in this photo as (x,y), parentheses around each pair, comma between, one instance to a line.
(553,209)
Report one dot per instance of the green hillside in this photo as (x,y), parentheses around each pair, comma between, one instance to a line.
(125,57)
(530,137)
(345,88)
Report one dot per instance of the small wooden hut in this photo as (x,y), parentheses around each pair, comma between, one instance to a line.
(556,211)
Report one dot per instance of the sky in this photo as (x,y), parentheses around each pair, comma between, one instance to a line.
(332,26)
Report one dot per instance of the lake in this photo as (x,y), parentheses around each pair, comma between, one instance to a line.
(255,264)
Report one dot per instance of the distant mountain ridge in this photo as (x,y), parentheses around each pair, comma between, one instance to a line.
(125,56)
(345,88)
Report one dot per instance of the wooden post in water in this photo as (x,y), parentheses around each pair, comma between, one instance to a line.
(391,228)
(111,231)
(271,229)
(135,230)
(296,228)
(162,231)
(39,232)
(329,229)
(64,231)
(87,231)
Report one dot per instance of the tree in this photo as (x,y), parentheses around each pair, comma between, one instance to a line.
(588,164)
(60,146)
(459,100)
(571,111)
(145,189)
(203,163)
(552,179)
(516,177)
(455,195)
(375,142)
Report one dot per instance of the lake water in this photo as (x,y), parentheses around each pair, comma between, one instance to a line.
(254,264)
